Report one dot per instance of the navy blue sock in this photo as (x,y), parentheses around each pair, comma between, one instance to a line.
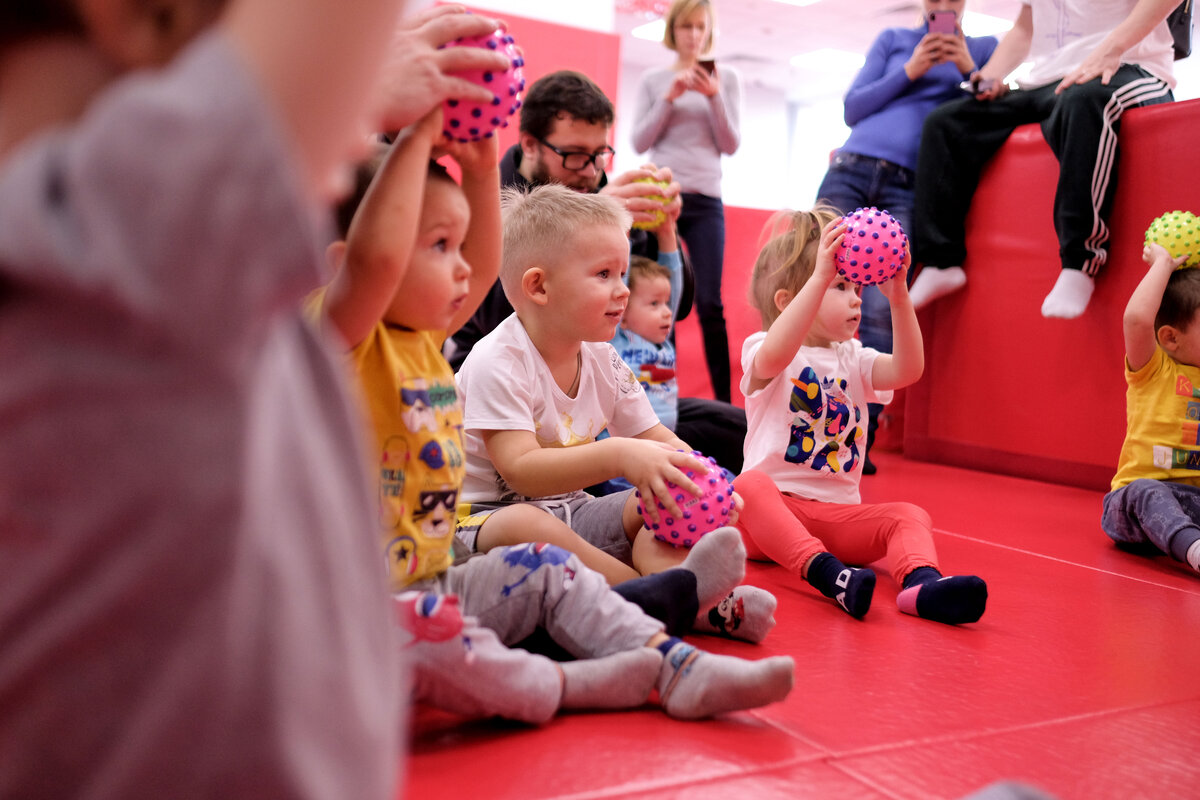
(921,575)
(953,600)
(668,596)
(852,588)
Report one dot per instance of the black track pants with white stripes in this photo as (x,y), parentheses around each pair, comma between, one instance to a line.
(1080,125)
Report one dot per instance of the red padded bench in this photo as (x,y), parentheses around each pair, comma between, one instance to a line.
(1006,390)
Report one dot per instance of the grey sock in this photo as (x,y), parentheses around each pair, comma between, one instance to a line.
(718,561)
(1193,555)
(621,680)
(694,684)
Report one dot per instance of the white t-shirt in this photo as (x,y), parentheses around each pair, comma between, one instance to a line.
(807,427)
(505,385)
(192,601)
(1065,32)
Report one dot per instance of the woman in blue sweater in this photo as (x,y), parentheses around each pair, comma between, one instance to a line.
(907,72)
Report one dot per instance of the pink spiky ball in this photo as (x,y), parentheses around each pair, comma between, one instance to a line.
(873,248)
(701,515)
(468,121)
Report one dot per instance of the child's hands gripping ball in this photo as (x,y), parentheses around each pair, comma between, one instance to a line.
(873,248)
(660,216)
(700,515)
(1177,232)
(467,121)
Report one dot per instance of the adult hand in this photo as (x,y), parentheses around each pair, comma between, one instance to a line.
(635,193)
(705,82)
(926,54)
(955,51)
(679,84)
(1099,63)
(418,75)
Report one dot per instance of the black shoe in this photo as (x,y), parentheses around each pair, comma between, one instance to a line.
(868,467)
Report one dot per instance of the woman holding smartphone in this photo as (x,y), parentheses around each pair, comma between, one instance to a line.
(907,73)
(687,117)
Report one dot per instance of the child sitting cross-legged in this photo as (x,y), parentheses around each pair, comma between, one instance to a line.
(404,282)
(1154,505)
(807,381)
(540,388)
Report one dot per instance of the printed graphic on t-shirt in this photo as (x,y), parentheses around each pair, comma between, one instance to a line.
(1183,457)
(823,436)
(421,470)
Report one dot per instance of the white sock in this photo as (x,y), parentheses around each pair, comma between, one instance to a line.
(1070,295)
(932,283)
(695,684)
(745,613)
(718,561)
(621,680)
(1193,555)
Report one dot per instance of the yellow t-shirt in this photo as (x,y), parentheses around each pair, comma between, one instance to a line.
(416,442)
(1162,434)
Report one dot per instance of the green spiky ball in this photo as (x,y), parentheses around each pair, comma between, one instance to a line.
(1178,232)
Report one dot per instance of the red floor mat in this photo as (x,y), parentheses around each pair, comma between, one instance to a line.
(1082,679)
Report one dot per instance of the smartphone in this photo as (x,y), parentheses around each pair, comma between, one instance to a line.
(977,86)
(943,22)
(708,65)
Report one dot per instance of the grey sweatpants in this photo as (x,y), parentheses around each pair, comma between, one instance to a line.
(1165,513)
(503,596)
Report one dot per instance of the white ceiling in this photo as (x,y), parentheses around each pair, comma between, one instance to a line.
(759,37)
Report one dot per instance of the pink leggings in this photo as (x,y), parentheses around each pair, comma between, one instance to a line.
(790,530)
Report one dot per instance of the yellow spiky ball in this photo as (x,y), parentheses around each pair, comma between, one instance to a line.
(659,216)
(1178,232)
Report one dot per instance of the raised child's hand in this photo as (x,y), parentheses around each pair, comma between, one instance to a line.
(831,239)
(1157,257)
(897,286)
(648,465)
(475,158)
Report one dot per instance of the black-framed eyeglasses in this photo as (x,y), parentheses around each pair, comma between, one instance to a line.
(576,161)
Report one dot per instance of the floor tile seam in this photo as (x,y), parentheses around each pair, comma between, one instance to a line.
(680,782)
(1036,554)
(982,733)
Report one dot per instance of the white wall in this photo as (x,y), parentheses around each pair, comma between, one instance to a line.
(786,142)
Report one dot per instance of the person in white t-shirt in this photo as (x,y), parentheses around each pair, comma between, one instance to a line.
(1091,62)
(807,381)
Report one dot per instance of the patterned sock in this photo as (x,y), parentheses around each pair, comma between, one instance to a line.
(718,560)
(745,613)
(694,684)
(852,588)
(953,599)
(621,680)
(1193,555)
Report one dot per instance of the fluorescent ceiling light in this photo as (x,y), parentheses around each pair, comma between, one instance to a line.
(984,24)
(651,31)
(828,59)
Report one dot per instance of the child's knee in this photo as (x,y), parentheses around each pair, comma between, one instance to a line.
(754,484)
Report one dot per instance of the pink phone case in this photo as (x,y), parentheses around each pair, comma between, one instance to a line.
(943,22)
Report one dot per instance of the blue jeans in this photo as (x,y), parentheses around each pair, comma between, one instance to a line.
(1163,513)
(855,181)
(702,227)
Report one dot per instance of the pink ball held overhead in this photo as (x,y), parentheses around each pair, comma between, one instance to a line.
(467,121)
